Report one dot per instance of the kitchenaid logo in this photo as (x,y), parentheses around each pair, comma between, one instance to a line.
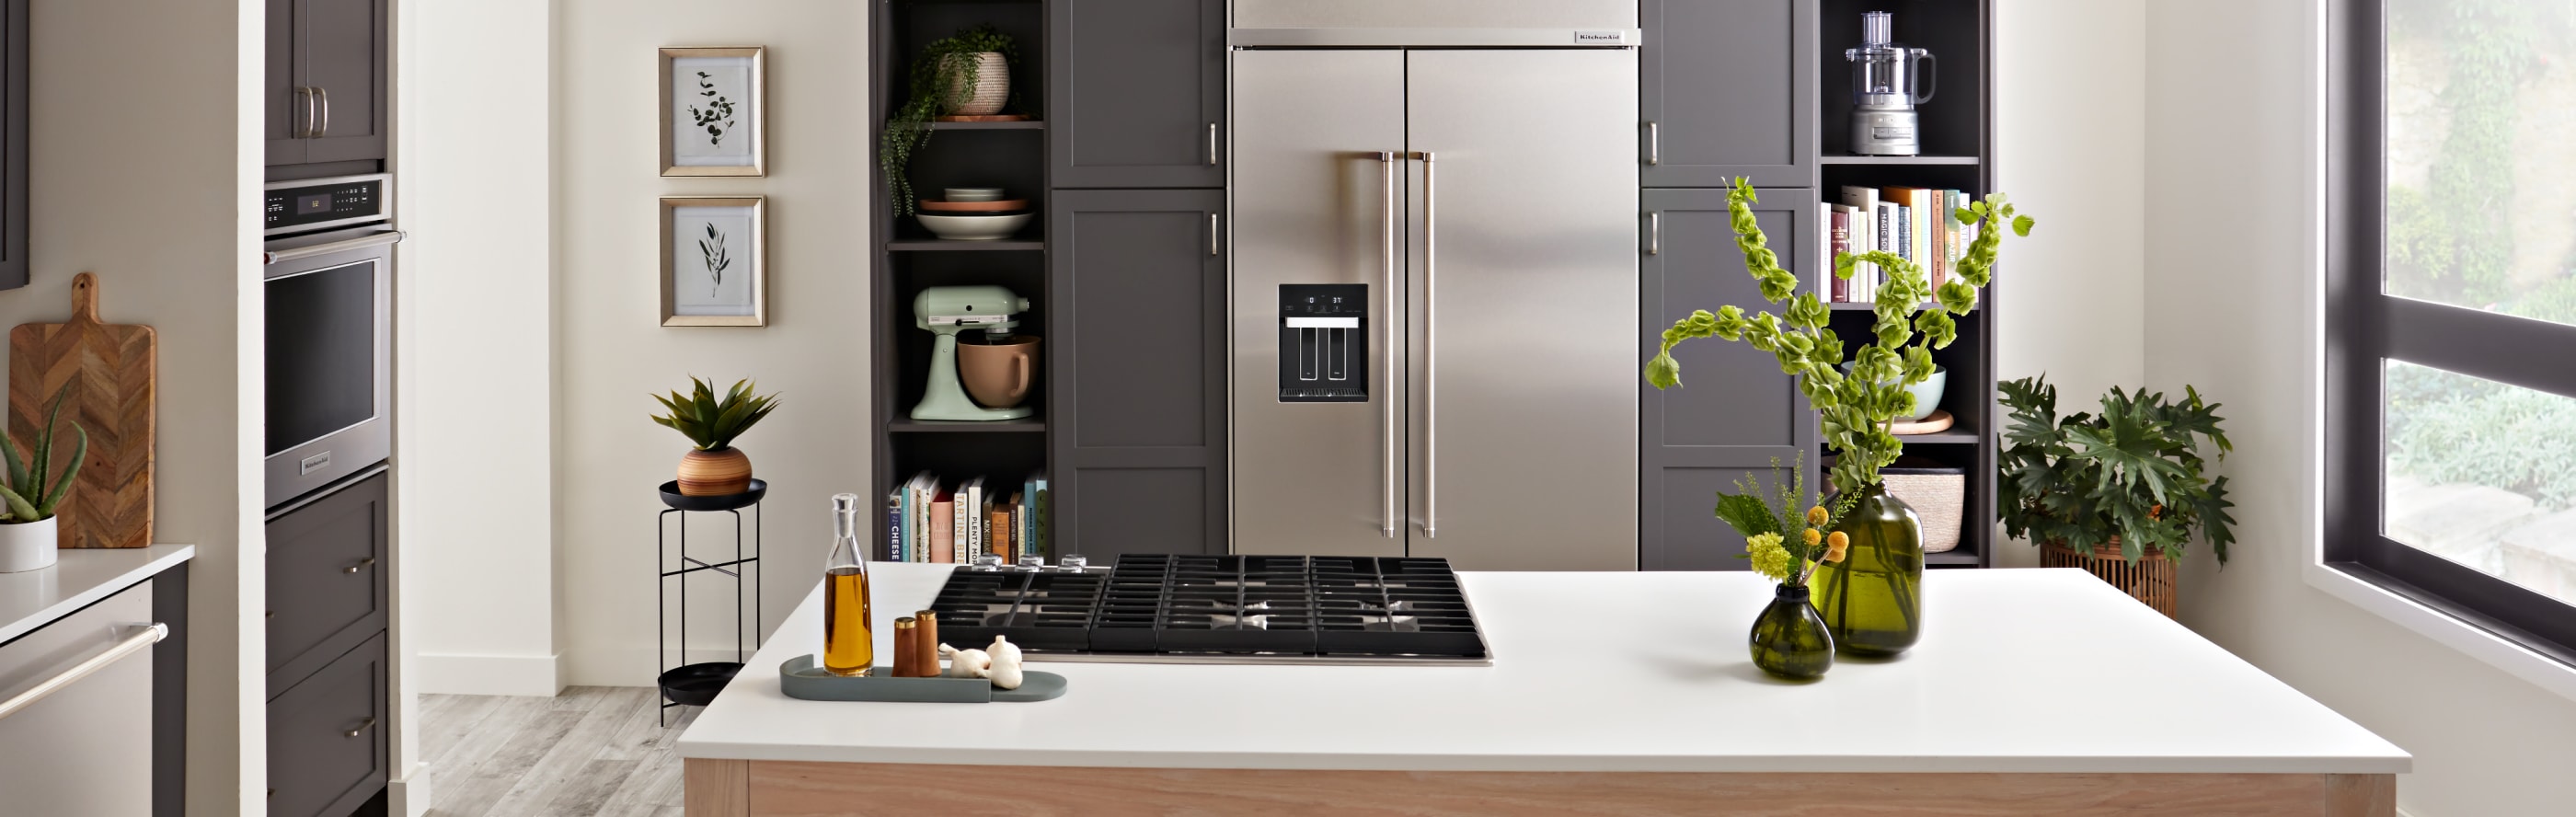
(1597,37)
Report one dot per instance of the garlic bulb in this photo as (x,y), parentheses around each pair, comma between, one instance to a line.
(966,663)
(1006,663)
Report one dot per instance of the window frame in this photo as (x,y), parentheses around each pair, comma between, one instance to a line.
(2364,325)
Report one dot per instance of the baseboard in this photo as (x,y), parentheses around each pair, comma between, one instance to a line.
(408,795)
(488,674)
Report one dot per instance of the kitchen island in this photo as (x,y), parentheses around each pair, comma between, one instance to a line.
(2032,692)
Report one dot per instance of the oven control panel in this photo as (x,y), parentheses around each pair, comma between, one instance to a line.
(319,204)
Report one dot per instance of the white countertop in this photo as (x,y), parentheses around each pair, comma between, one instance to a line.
(79,577)
(2020,671)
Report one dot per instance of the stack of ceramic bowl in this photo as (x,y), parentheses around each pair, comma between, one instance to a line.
(974,214)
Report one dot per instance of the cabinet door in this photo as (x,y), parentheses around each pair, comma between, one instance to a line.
(342,47)
(14,49)
(1735,411)
(1137,285)
(326,576)
(286,107)
(1728,89)
(1136,93)
(326,737)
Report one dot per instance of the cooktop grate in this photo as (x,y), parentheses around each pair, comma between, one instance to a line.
(1221,607)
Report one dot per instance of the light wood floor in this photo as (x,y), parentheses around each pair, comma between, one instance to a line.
(590,752)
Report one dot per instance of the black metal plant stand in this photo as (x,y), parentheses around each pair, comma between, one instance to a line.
(697,684)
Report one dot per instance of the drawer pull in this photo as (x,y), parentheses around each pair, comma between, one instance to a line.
(361,565)
(141,639)
(370,723)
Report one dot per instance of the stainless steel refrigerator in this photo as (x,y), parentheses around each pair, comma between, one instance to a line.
(1435,280)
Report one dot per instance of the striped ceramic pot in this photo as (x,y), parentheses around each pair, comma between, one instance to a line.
(992,87)
(721,472)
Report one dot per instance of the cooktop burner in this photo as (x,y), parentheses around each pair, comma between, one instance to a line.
(1222,609)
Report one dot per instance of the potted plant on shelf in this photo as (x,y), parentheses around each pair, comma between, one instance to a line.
(27,503)
(967,74)
(2119,493)
(1871,600)
(1789,639)
(714,467)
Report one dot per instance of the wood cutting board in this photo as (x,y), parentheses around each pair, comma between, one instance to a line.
(112,371)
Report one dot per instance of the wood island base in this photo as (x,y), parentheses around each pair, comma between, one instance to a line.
(746,788)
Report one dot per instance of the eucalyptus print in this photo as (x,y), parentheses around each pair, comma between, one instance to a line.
(717,117)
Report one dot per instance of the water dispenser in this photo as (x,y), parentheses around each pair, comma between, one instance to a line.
(1323,343)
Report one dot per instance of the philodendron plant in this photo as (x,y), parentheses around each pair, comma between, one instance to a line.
(32,494)
(1858,406)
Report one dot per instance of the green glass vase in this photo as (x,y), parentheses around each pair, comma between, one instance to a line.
(1872,600)
(1789,639)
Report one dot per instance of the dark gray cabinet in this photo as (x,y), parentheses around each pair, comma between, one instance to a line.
(1735,411)
(1136,93)
(1728,89)
(326,575)
(328,93)
(1137,305)
(326,748)
(13,143)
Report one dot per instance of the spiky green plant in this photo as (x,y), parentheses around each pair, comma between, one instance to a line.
(712,422)
(30,496)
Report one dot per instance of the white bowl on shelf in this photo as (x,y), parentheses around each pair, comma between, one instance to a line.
(972,193)
(975,227)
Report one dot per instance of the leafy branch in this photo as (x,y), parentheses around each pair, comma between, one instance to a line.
(717,118)
(718,258)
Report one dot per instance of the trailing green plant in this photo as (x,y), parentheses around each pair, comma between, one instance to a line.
(943,75)
(1857,406)
(712,422)
(1785,527)
(32,494)
(2134,472)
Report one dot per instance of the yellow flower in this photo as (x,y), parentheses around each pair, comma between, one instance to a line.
(1816,515)
(1838,541)
(1769,558)
(1813,536)
(1834,553)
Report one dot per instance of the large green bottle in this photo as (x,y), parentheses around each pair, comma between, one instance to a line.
(1873,600)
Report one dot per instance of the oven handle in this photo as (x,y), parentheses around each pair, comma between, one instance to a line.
(359,243)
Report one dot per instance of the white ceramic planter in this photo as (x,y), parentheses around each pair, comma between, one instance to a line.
(27,546)
(992,87)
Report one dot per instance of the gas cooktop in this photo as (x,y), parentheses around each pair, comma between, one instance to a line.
(1222,609)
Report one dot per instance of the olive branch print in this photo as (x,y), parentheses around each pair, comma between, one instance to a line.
(713,248)
(717,118)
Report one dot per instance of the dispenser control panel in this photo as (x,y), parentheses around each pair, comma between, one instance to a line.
(1323,343)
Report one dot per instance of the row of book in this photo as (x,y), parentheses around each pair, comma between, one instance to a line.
(1919,224)
(955,522)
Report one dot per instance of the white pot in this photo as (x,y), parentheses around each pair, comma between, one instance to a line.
(992,87)
(27,546)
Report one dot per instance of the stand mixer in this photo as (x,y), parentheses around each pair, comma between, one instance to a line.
(947,311)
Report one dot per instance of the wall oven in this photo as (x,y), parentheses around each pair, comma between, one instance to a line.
(329,295)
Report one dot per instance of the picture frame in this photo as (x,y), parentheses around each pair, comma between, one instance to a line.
(714,112)
(715,261)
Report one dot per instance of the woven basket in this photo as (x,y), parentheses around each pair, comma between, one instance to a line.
(992,87)
(1938,495)
(2152,580)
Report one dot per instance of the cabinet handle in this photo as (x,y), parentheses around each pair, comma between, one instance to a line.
(323,129)
(1386,334)
(1654,144)
(369,723)
(301,124)
(1212,235)
(1430,354)
(1211,144)
(1655,233)
(361,565)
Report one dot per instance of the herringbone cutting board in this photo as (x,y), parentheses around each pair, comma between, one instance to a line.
(112,371)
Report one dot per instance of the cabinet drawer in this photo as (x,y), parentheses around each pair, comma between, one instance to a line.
(326,746)
(326,577)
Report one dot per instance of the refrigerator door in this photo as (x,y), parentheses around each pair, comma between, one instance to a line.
(1523,295)
(1311,204)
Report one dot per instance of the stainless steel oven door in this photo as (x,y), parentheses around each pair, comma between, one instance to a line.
(329,360)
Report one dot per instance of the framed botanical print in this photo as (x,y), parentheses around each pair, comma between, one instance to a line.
(715,261)
(712,117)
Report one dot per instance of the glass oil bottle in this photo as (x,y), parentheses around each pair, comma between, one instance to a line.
(849,642)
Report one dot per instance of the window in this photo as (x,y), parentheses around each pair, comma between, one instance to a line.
(2451,308)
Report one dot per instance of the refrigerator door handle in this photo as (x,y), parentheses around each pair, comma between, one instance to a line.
(1430,352)
(1386,338)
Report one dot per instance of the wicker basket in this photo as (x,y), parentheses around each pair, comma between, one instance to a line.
(1938,495)
(2151,580)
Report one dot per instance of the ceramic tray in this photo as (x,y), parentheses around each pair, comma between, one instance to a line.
(799,678)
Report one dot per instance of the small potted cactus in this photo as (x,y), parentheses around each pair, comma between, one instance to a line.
(713,467)
(27,503)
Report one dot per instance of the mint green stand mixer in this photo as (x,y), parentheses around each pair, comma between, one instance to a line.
(946,311)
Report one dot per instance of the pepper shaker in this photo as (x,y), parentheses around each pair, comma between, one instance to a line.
(924,644)
(907,661)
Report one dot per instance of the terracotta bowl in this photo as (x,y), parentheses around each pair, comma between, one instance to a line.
(998,373)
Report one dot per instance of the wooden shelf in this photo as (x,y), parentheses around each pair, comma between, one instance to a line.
(942,245)
(1033,124)
(1899,160)
(1952,437)
(1021,426)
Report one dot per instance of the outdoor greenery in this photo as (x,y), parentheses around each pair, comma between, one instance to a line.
(1857,407)
(2133,472)
(32,494)
(712,422)
(943,75)
(2457,429)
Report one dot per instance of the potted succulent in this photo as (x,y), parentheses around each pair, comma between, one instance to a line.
(968,74)
(27,503)
(713,467)
(1871,600)
(2117,493)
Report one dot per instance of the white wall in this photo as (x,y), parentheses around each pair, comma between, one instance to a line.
(612,352)
(2232,161)
(179,258)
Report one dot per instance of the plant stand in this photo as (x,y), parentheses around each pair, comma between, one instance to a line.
(2152,580)
(697,684)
